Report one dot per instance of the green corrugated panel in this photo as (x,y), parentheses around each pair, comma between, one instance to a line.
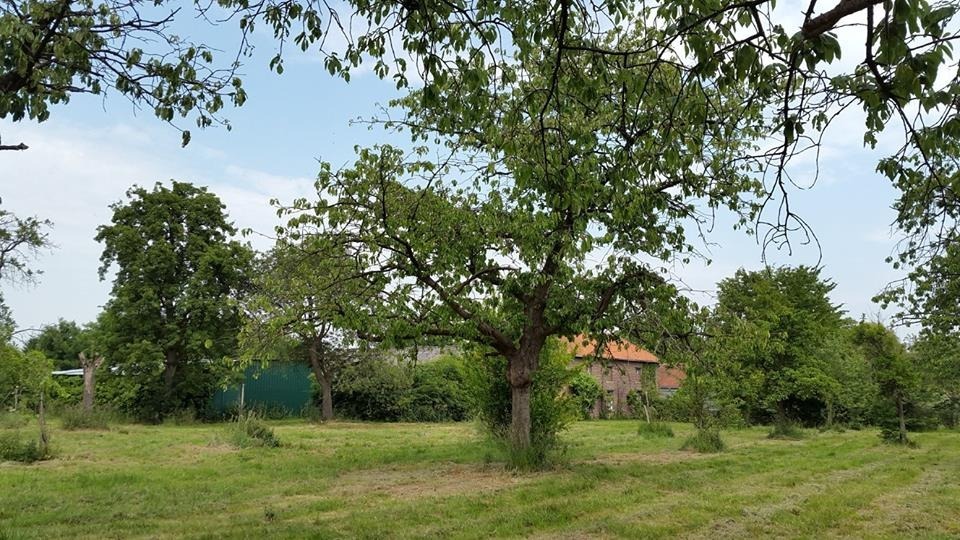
(282,385)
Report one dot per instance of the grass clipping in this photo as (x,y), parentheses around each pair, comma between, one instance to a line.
(248,430)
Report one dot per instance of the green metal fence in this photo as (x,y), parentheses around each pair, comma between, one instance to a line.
(280,389)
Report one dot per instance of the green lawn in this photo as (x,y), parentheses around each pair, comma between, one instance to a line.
(440,480)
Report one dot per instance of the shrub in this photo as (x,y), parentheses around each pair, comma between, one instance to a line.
(704,441)
(75,417)
(552,408)
(13,448)
(249,430)
(369,390)
(372,389)
(654,430)
(585,392)
(438,393)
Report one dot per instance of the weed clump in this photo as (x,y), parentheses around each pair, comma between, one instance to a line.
(704,441)
(786,431)
(74,418)
(13,448)
(655,430)
(249,430)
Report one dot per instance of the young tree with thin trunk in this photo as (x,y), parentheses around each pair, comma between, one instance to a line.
(302,292)
(896,377)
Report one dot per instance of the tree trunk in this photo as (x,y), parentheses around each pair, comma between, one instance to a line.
(520,417)
(903,421)
(326,391)
(830,412)
(520,376)
(323,379)
(169,370)
(89,365)
(781,415)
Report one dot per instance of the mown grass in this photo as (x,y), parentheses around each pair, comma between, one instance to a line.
(441,480)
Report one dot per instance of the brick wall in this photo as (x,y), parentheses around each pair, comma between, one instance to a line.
(617,378)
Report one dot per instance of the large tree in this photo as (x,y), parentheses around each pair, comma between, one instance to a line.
(784,357)
(540,197)
(172,315)
(303,291)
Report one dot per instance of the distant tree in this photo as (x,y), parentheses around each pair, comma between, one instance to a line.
(896,377)
(173,315)
(61,342)
(937,357)
(23,376)
(792,322)
(55,49)
(855,392)
(304,291)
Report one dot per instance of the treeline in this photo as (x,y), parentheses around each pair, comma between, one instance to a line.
(191,306)
(775,350)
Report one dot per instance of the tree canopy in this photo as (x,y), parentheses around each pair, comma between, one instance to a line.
(529,201)
(54,49)
(172,316)
(792,325)
(61,342)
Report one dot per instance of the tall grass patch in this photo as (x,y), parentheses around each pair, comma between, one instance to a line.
(704,441)
(248,430)
(655,430)
(14,447)
(75,417)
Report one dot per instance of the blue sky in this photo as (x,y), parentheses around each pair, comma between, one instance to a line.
(92,150)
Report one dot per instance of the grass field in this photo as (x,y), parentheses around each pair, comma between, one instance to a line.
(441,480)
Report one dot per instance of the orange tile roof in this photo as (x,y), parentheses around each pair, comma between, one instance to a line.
(623,351)
(670,377)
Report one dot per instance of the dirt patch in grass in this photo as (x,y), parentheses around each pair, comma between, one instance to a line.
(416,483)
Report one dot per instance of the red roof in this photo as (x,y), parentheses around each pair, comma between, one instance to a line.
(668,377)
(623,351)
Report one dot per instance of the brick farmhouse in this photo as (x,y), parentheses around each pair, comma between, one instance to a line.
(620,368)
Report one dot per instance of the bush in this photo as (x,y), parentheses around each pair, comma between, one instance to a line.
(249,430)
(654,430)
(552,408)
(704,441)
(75,417)
(372,389)
(438,393)
(13,448)
(585,392)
